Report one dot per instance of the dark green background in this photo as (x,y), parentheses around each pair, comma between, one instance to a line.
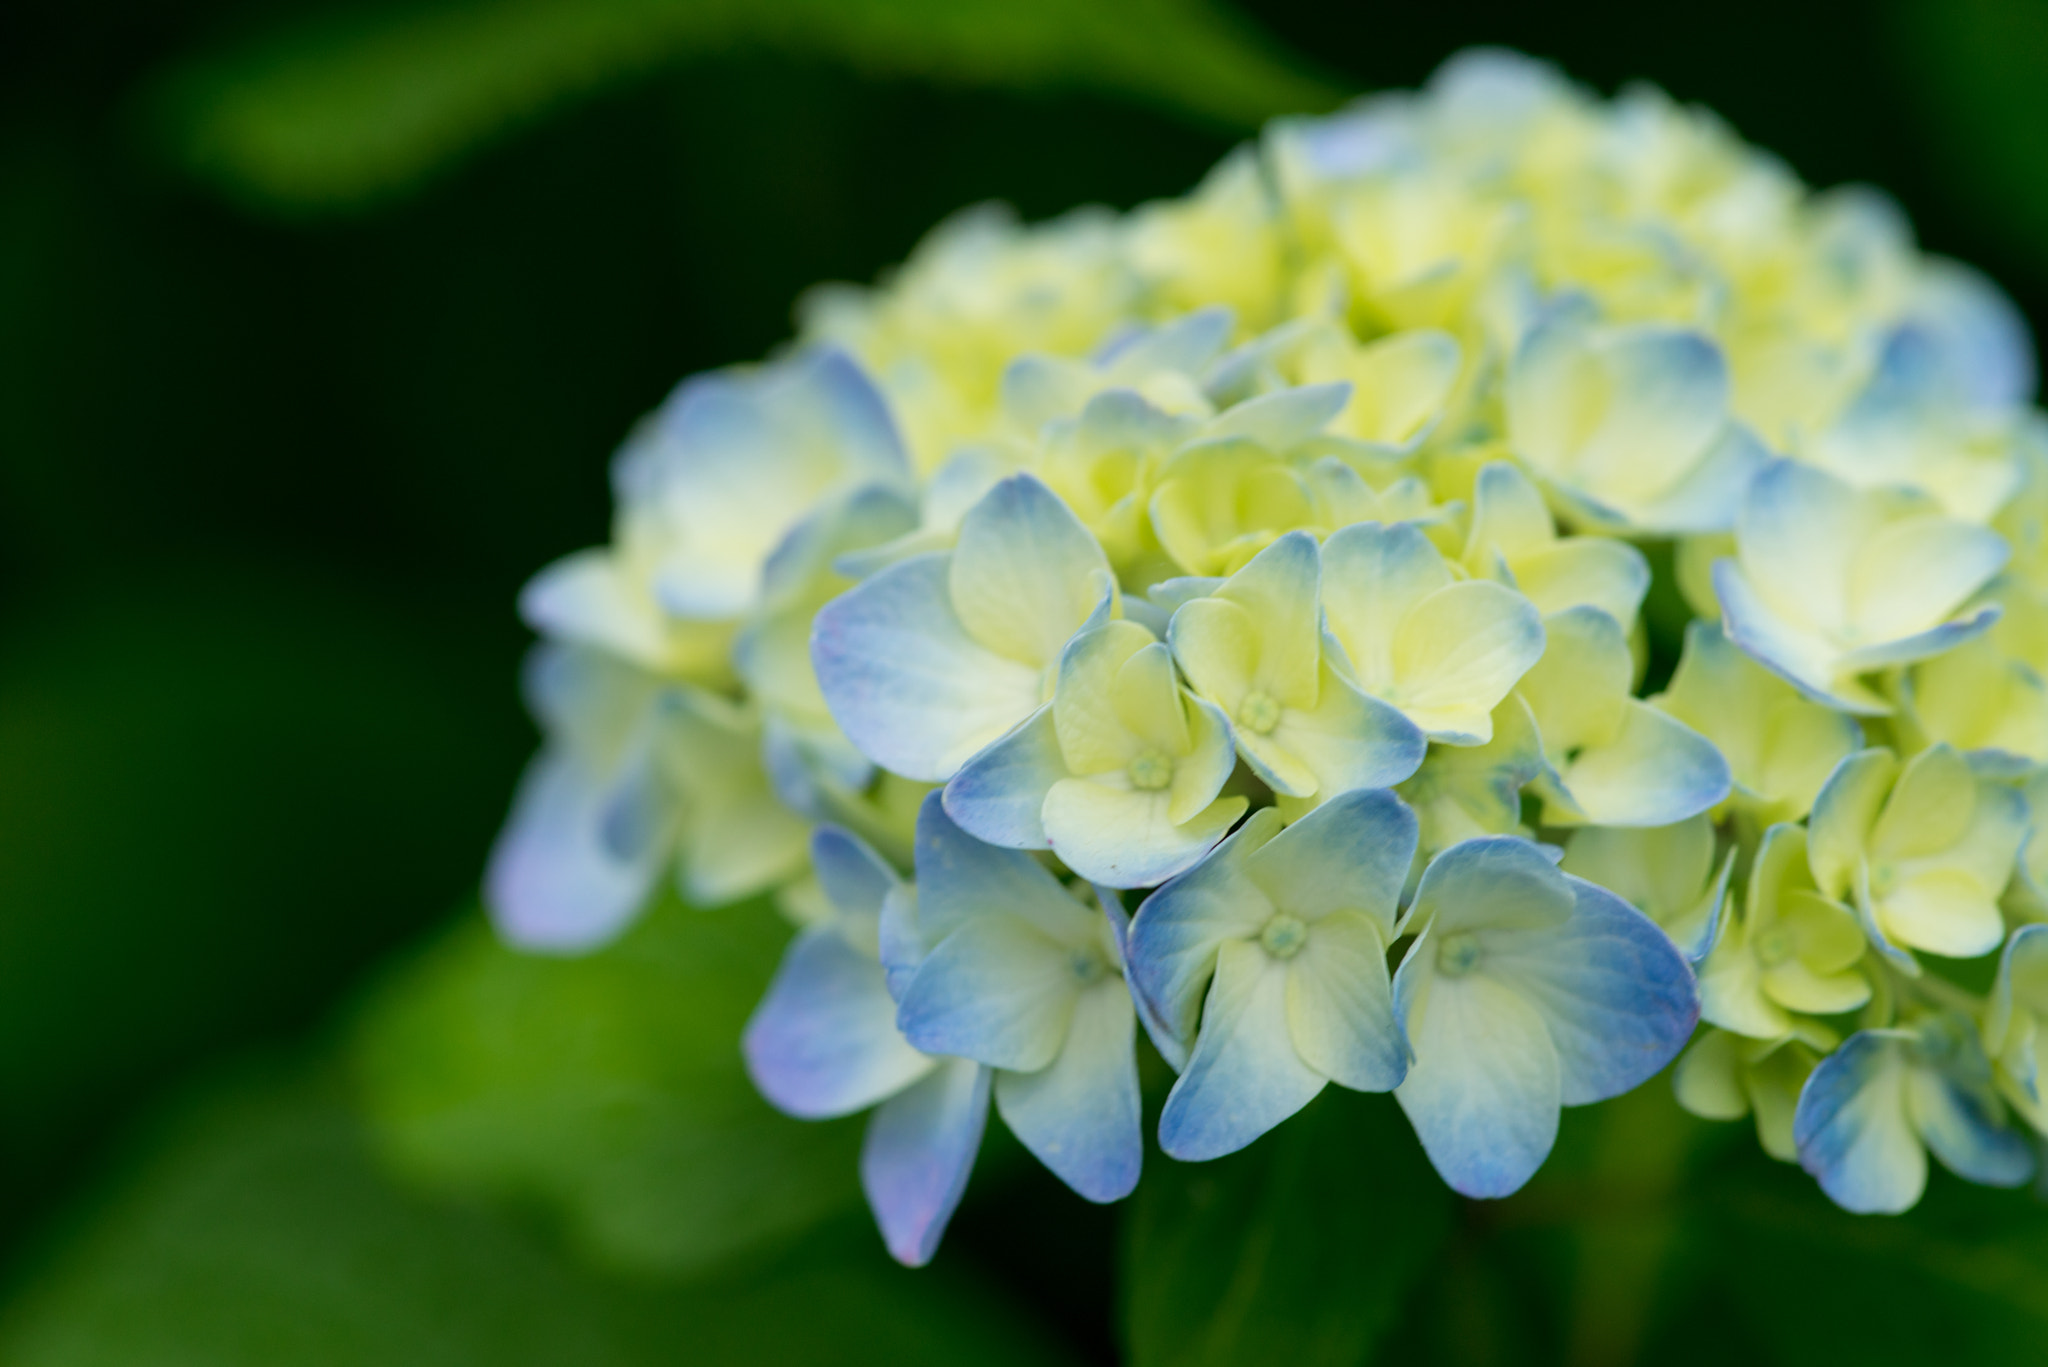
(269,482)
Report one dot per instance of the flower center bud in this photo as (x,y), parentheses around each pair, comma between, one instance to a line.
(1457,954)
(1773,947)
(1259,712)
(1883,877)
(1150,772)
(1283,936)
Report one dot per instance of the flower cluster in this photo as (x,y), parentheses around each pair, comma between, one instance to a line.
(1233,619)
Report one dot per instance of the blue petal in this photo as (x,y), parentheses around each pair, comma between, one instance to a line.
(919,1150)
(999,795)
(1616,995)
(1852,1129)
(1492,882)
(1966,1129)
(1080,1114)
(899,939)
(906,682)
(1244,1076)
(559,880)
(1482,1093)
(996,990)
(824,1042)
(959,877)
(1982,349)
(851,407)
(854,877)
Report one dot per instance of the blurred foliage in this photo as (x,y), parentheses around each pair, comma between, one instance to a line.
(260,1233)
(1978,65)
(219,795)
(608,1088)
(365,105)
(1299,1249)
(1961,1278)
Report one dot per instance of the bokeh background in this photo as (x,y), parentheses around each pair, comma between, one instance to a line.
(317,328)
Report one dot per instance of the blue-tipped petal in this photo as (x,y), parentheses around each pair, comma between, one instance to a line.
(1340,1004)
(1756,629)
(1483,1092)
(1852,1129)
(1175,935)
(1080,1113)
(555,882)
(1284,419)
(1026,574)
(911,689)
(1350,854)
(584,598)
(1923,645)
(1244,1076)
(1124,838)
(1187,344)
(824,1042)
(1656,771)
(1350,739)
(1492,882)
(1616,995)
(919,1150)
(999,795)
(1707,499)
(1979,344)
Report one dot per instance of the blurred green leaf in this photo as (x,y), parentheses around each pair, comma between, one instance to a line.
(346,111)
(609,1088)
(1963,1277)
(1300,1249)
(1978,67)
(261,1234)
(221,797)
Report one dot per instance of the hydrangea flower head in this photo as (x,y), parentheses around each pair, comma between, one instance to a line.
(1286,561)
